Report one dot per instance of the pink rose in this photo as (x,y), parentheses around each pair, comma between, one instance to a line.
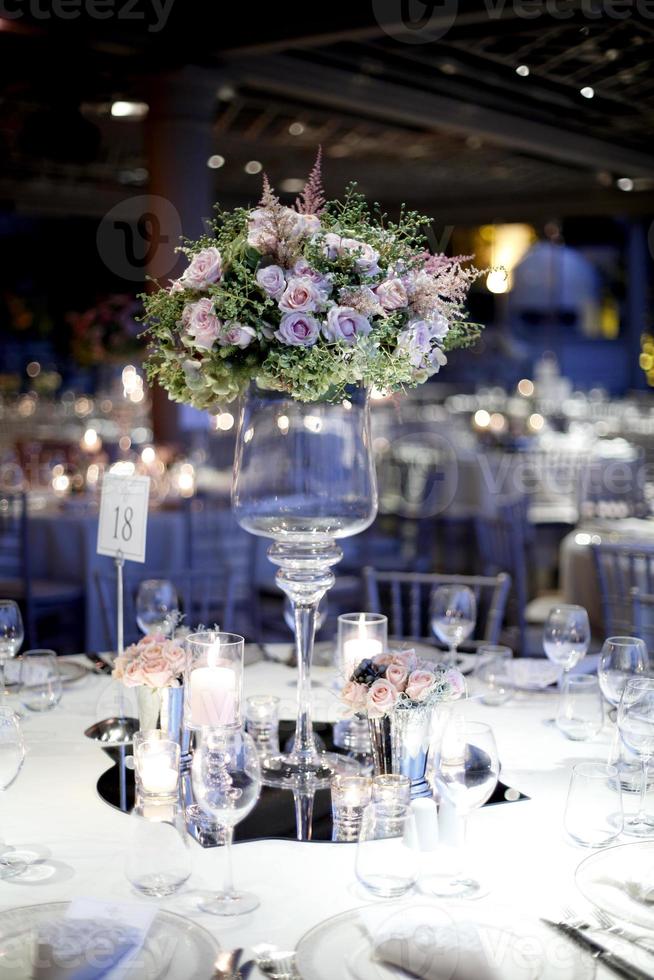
(419,684)
(300,296)
(237,335)
(366,257)
(391,294)
(457,683)
(406,658)
(298,330)
(205,267)
(133,674)
(381,698)
(383,659)
(272,281)
(332,245)
(397,675)
(202,324)
(345,324)
(321,282)
(355,696)
(262,233)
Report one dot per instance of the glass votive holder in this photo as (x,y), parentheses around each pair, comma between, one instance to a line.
(350,796)
(493,673)
(391,790)
(262,722)
(387,859)
(214,680)
(40,686)
(156,767)
(158,858)
(593,813)
(581,710)
(360,636)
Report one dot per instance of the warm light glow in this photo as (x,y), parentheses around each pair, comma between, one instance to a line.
(61,483)
(124,109)
(313,423)
(482,419)
(283,423)
(536,422)
(526,388)
(248,434)
(625,183)
(508,244)
(588,92)
(253,167)
(93,474)
(213,654)
(292,185)
(125,443)
(33,369)
(224,421)
(216,161)
(496,422)
(522,70)
(378,394)
(497,281)
(91,441)
(296,128)
(148,455)
(124,467)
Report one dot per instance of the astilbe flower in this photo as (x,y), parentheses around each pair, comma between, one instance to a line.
(311,199)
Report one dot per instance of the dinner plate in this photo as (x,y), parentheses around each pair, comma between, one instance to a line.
(533,675)
(174,946)
(523,950)
(620,881)
(71,671)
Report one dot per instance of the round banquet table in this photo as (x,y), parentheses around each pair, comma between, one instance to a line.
(520,846)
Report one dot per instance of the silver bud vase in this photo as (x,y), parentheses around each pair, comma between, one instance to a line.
(400,744)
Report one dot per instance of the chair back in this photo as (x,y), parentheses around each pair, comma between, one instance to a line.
(15,566)
(642,606)
(502,543)
(205,598)
(405,598)
(621,568)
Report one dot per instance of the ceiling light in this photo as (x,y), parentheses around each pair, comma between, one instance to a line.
(522,70)
(296,128)
(587,92)
(625,183)
(129,110)
(292,185)
(226,93)
(497,281)
(216,161)
(253,167)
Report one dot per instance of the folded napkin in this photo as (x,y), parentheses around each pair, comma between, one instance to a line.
(82,949)
(426,942)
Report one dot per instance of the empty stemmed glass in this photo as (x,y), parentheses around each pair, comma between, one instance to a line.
(12,634)
(622,657)
(12,755)
(466,771)
(453,616)
(157,606)
(636,726)
(566,638)
(226,779)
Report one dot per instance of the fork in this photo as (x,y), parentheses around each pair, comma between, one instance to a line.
(608,925)
(276,963)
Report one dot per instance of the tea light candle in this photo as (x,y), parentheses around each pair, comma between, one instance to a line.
(157,776)
(213,697)
(350,794)
(360,648)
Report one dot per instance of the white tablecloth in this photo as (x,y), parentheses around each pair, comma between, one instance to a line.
(54,804)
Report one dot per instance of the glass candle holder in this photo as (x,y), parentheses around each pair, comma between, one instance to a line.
(262,722)
(594,813)
(214,680)
(156,766)
(391,790)
(581,713)
(350,796)
(361,635)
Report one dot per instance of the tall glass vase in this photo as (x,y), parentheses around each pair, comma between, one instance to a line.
(304,476)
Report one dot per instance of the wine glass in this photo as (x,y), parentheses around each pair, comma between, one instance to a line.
(12,755)
(157,606)
(226,779)
(466,771)
(566,638)
(453,616)
(636,726)
(12,634)
(622,657)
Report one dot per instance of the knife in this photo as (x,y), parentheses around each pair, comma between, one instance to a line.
(601,953)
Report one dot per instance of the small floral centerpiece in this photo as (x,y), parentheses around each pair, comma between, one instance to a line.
(398,693)
(307,300)
(155,666)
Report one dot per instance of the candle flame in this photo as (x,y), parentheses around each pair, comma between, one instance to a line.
(213,655)
(362,626)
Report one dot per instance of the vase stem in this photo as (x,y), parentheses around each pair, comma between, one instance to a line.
(305,620)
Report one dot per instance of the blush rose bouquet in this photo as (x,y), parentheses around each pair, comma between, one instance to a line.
(154,662)
(307,300)
(379,684)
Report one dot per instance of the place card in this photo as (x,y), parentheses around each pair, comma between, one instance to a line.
(123,518)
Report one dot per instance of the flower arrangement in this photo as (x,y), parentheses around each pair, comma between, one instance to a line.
(377,685)
(108,330)
(152,662)
(307,300)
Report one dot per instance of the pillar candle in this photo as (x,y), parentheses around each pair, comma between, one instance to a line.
(213,697)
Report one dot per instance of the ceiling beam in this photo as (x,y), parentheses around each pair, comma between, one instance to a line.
(375,98)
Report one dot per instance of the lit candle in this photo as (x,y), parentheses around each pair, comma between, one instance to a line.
(213,693)
(157,775)
(361,648)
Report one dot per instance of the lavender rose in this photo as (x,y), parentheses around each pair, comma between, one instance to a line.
(201,323)
(391,294)
(296,225)
(272,281)
(323,283)
(298,330)
(206,267)
(300,296)
(366,257)
(420,684)
(381,698)
(345,324)
(237,335)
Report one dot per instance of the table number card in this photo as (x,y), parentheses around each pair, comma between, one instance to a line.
(123,516)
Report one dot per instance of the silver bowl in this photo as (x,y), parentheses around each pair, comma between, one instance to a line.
(113,734)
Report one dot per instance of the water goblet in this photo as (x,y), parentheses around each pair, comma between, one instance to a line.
(493,673)
(453,610)
(621,657)
(157,861)
(387,859)
(466,771)
(157,606)
(593,811)
(636,726)
(12,634)
(40,686)
(226,778)
(12,756)
(581,713)
(566,638)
